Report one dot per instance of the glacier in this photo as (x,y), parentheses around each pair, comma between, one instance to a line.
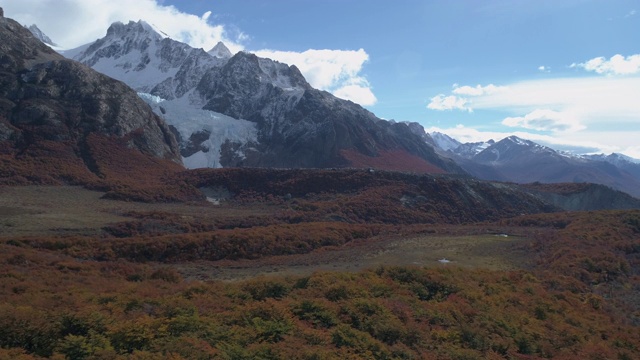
(187,120)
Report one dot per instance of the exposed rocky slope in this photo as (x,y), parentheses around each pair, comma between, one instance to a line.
(242,110)
(61,121)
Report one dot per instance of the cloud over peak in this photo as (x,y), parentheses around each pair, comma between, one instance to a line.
(336,71)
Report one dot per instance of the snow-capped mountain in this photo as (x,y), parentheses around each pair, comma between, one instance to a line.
(242,110)
(524,161)
(513,148)
(40,35)
(145,59)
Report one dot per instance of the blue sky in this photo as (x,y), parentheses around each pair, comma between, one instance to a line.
(565,73)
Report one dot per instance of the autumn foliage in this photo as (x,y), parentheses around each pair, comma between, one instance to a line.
(122,293)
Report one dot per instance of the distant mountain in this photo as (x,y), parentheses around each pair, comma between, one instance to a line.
(444,141)
(241,110)
(63,123)
(626,163)
(517,160)
(40,35)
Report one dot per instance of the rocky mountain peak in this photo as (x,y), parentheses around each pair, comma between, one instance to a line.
(40,35)
(1,12)
(134,29)
(518,141)
(220,51)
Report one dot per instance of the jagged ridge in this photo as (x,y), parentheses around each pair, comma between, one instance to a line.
(294,124)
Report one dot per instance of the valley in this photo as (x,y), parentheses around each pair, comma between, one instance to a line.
(287,265)
(211,205)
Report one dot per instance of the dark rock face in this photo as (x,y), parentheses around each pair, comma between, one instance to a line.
(45,97)
(302,127)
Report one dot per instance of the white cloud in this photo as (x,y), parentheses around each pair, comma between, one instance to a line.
(616,65)
(478,90)
(337,71)
(589,100)
(358,93)
(544,68)
(451,102)
(545,120)
(585,114)
(631,13)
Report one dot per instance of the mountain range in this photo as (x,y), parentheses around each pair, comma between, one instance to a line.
(241,110)
(226,110)
(523,161)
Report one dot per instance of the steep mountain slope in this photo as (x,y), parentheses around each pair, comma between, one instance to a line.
(62,122)
(242,110)
(523,161)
